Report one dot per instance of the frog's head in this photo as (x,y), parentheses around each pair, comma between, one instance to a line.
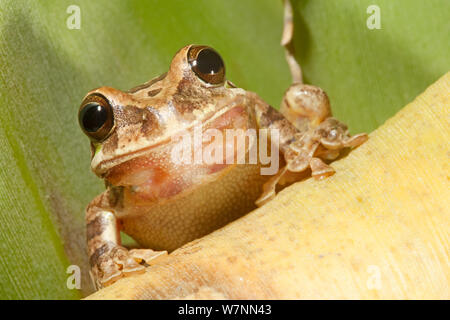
(125,125)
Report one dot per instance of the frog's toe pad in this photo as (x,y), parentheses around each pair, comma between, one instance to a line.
(320,169)
(148,256)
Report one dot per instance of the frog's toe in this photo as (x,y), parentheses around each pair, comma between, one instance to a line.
(298,158)
(268,192)
(148,256)
(356,140)
(299,163)
(320,169)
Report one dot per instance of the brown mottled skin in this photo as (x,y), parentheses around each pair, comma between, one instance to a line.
(163,205)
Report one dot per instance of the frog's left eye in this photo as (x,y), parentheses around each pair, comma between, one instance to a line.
(207,64)
(96,117)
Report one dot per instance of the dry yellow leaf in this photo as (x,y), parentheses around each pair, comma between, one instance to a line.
(378,228)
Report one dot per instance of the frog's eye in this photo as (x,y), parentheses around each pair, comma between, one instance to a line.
(207,64)
(96,117)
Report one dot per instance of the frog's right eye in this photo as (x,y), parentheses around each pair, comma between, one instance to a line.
(96,117)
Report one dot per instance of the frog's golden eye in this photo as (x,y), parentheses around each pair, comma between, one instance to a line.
(96,117)
(207,64)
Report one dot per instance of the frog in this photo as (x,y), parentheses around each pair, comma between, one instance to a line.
(163,204)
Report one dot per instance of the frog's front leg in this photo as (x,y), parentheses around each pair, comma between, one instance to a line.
(308,135)
(109,260)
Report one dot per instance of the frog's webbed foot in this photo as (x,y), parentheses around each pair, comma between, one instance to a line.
(309,150)
(323,142)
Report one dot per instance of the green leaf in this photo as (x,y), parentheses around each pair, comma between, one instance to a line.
(46,68)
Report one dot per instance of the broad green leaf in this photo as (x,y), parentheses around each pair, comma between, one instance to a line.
(46,68)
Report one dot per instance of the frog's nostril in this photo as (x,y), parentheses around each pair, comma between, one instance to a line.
(153,92)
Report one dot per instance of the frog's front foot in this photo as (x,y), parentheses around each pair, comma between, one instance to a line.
(324,142)
(310,150)
(113,264)
(117,262)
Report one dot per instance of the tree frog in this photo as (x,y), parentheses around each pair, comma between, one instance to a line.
(163,204)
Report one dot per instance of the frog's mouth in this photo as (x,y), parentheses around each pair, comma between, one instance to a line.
(164,170)
(231,110)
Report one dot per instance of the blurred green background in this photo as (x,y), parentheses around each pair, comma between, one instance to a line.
(46,68)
